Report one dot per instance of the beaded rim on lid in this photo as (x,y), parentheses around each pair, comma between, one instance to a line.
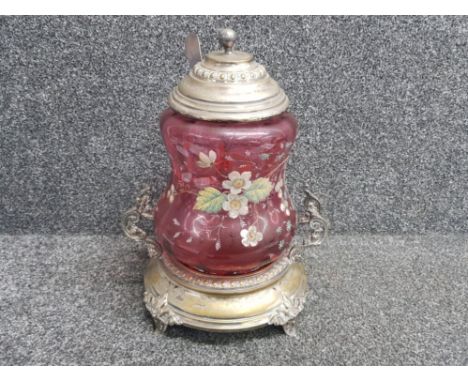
(228,85)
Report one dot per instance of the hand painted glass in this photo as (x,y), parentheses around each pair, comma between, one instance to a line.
(226,209)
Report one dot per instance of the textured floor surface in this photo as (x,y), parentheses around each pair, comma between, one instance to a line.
(374,300)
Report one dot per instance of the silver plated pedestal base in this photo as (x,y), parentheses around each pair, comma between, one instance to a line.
(172,303)
(174,296)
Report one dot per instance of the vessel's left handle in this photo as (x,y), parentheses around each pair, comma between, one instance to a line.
(142,210)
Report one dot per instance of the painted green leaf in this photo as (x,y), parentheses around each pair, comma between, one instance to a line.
(258,190)
(209,200)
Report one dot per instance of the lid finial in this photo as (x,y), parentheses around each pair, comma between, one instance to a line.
(227,37)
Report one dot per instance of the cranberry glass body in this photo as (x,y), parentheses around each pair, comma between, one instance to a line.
(226,209)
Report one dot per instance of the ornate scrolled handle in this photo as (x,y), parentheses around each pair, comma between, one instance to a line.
(143,209)
(317,224)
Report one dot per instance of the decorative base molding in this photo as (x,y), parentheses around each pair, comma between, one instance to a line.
(225,284)
(173,303)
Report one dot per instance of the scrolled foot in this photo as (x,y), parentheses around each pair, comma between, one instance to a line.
(290,329)
(159,326)
(287,311)
(162,313)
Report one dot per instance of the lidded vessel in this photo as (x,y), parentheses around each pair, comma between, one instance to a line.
(226,209)
(224,225)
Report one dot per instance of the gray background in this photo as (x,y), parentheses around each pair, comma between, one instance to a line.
(383,108)
(382,103)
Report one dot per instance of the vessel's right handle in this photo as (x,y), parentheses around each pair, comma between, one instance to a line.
(317,225)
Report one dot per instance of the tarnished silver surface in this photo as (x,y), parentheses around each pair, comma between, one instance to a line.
(317,229)
(228,85)
(143,209)
(287,311)
(159,308)
(227,38)
(171,303)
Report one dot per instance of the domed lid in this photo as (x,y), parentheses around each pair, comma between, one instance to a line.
(226,85)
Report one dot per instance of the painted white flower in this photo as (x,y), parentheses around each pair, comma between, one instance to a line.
(250,237)
(284,206)
(206,160)
(279,188)
(281,245)
(236,205)
(288,226)
(237,182)
(171,193)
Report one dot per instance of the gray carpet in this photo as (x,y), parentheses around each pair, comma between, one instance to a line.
(374,300)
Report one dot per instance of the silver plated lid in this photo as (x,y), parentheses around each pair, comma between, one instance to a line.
(228,85)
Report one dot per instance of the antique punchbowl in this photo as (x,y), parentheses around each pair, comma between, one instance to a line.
(223,250)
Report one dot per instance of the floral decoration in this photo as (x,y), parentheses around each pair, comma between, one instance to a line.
(279,188)
(284,206)
(281,245)
(209,199)
(236,205)
(250,237)
(171,193)
(237,182)
(206,161)
(237,191)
